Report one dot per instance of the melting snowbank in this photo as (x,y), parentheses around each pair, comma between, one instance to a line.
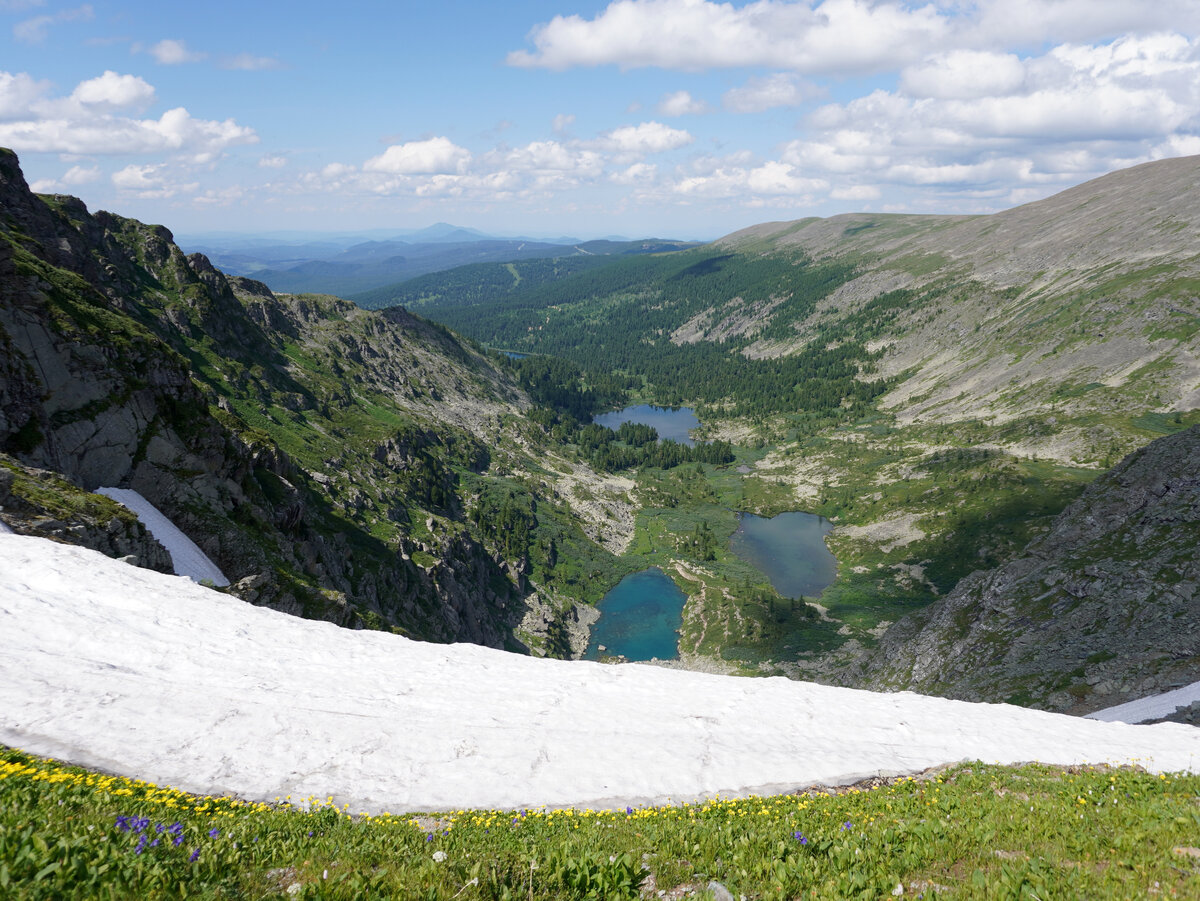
(1151,708)
(153,676)
(188,559)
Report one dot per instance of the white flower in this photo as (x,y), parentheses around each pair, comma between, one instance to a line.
(439,856)
(899,889)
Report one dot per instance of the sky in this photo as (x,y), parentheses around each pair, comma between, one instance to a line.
(671,118)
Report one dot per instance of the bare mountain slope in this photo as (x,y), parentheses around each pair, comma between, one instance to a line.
(1085,301)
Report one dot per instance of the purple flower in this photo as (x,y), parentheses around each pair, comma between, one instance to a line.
(159,827)
(175,828)
(310,833)
(141,845)
(154,844)
(177,841)
(214,832)
(195,855)
(628,811)
(429,837)
(846,825)
(800,837)
(123,824)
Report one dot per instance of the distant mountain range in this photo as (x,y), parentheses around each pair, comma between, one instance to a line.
(353,263)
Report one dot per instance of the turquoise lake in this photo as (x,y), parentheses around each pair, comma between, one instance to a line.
(640,618)
(669,423)
(789,549)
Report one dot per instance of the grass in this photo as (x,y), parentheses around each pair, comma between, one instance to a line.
(972,831)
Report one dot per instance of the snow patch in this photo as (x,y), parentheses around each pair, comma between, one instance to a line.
(187,558)
(4,529)
(154,677)
(1151,708)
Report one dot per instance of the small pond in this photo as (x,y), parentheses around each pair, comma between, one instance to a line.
(640,618)
(669,423)
(789,549)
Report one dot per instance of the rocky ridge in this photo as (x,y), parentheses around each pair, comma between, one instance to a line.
(322,455)
(1101,609)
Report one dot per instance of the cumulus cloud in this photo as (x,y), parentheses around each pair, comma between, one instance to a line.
(171,52)
(770,178)
(648,137)
(831,36)
(562,123)
(19,93)
(436,155)
(991,122)
(964,74)
(681,103)
(151,182)
(760,94)
(111,91)
(94,119)
(35,30)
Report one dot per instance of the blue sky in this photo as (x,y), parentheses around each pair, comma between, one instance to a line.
(676,118)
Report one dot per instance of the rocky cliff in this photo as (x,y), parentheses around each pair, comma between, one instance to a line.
(320,454)
(1101,609)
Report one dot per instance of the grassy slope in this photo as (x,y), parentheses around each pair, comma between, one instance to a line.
(972,831)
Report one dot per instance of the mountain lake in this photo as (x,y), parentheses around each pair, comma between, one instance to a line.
(668,422)
(640,618)
(789,549)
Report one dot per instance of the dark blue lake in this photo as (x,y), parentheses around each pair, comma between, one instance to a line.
(640,618)
(668,423)
(789,549)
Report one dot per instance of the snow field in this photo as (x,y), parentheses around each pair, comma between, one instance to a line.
(155,677)
(187,558)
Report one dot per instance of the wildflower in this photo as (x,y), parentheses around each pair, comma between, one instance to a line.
(123,824)
(141,845)
(439,856)
(628,811)
(429,837)
(846,825)
(214,832)
(195,855)
(800,837)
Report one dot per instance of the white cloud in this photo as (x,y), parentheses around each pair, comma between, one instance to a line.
(994,124)
(830,36)
(562,123)
(35,30)
(17,6)
(436,155)
(170,52)
(250,63)
(19,93)
(648,137)
(151,182)
(86,122)
(779,89)
(681,103)
(112,91)
(856,192)
(964,74)
(770,178)
(637,174)
(272,161)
